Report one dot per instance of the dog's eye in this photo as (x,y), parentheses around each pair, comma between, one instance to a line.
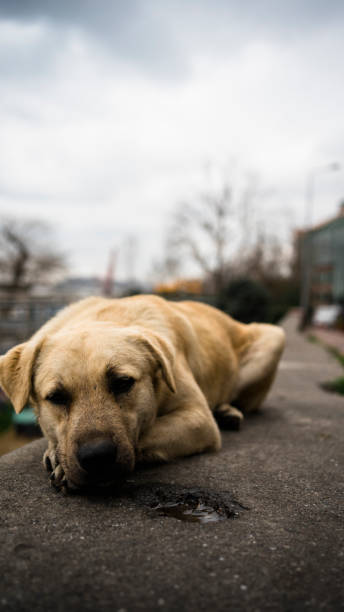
(120,384)
(58,397)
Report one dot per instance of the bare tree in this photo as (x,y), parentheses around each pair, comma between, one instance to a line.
(27,256)
(227,235)
(201,231)
(264,259)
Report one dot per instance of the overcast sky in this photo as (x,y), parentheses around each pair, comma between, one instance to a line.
(111,111)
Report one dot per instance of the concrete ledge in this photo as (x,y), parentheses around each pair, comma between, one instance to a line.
(112,553)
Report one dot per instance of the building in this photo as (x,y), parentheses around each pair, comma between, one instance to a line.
(321,252)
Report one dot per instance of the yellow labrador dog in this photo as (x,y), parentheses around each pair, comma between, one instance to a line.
(115,381)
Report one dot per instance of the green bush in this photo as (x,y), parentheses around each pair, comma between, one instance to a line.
(246,300)
(334,386)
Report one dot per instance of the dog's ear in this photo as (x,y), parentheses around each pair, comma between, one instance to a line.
(16,368)
(163,353)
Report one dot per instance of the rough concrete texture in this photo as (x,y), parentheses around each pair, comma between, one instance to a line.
(113,552)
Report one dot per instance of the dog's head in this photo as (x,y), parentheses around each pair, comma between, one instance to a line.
(96,390)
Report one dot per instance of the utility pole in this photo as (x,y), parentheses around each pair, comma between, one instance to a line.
(109,277)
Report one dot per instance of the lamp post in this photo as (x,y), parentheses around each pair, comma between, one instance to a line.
(310,189)
(307,249)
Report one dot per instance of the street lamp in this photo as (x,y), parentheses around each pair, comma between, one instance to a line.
(310,187)
(307,251)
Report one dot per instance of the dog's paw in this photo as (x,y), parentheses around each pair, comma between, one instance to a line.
(52,465)
(50,460)
(228,417)
(58,479)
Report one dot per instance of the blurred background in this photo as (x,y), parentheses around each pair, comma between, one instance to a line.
(191,149)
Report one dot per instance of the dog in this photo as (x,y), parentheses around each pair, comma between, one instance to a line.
(140,379)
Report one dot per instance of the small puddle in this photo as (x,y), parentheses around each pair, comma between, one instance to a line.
(201,513)
(192,505)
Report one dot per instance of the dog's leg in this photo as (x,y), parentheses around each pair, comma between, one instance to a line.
(228,417)
(258,366)
(185,427)
(185,431)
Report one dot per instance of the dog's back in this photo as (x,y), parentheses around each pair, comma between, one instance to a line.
(227,358)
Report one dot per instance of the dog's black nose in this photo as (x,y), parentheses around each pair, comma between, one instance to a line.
(98,458)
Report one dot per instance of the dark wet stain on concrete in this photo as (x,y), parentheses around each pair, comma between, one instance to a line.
(186,504)
(201,513)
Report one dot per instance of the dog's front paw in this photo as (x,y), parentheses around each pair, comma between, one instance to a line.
(58,479)
(50,460)
(52,465)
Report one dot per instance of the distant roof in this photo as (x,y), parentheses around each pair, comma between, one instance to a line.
(339,218)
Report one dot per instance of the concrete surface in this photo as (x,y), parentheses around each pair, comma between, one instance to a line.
(286,552)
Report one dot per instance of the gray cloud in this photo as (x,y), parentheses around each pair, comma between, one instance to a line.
(122,14)
(131,30)
(161,36)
